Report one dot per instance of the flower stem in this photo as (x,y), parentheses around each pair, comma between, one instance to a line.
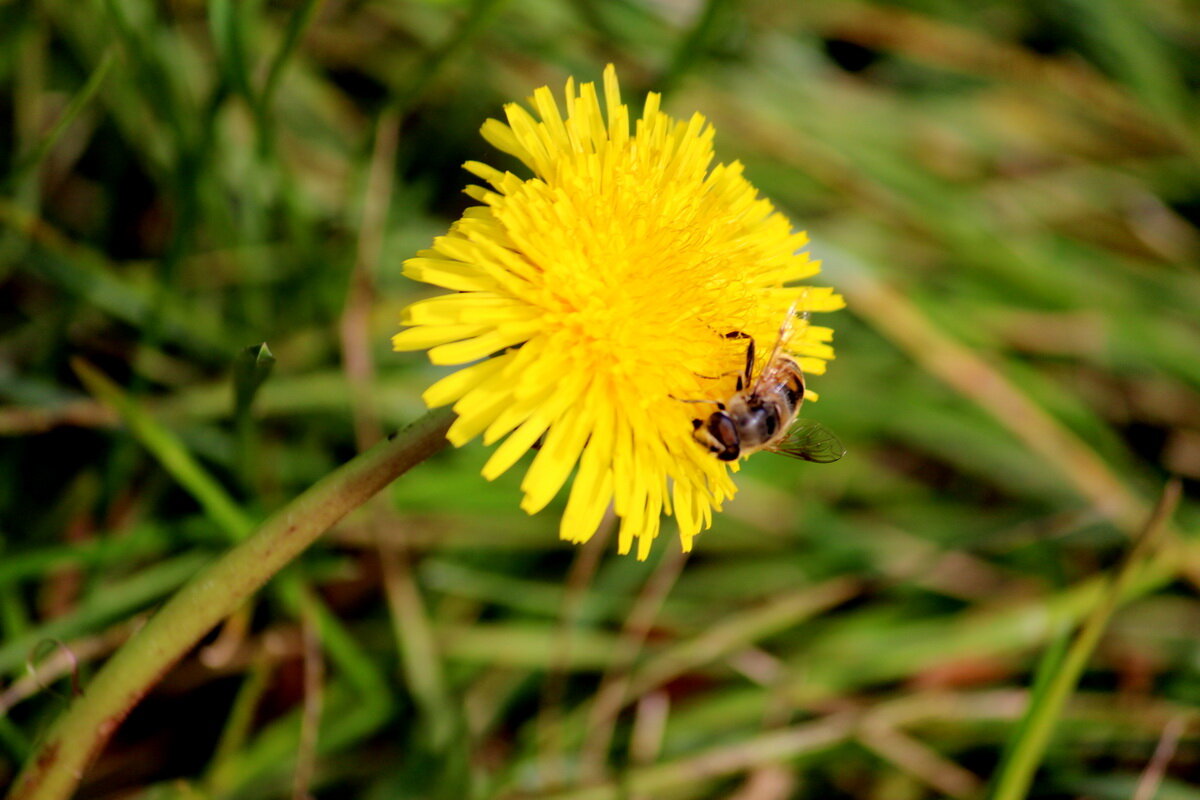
(55,769)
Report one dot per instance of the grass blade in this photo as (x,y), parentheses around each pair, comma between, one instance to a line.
(34,157)
(171,453)
(1016,775)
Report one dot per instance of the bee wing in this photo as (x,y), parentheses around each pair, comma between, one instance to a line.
(809,440)
(777,347)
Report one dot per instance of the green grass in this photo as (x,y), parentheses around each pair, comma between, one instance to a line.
(1008,194)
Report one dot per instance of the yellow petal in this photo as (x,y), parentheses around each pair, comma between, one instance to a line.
(456,384)
(475,410)
(426,336)
(554,462)
(448,274)
(480,346)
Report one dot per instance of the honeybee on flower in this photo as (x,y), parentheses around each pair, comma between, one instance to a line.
(762,413)
(595,294)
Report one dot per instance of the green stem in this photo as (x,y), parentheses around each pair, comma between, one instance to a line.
(54,770)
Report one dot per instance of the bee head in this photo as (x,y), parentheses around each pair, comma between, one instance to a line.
(719,435)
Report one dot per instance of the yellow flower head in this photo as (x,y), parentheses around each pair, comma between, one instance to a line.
(594,298)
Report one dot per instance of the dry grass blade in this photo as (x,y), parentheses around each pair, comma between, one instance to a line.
(610,696)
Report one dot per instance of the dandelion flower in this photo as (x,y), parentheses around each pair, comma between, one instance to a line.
(593,298)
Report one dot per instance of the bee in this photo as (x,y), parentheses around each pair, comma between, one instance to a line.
(761,413)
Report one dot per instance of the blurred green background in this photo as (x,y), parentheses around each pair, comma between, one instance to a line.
(1006,192)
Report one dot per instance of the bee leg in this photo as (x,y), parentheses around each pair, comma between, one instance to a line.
(744,381)
(704,436)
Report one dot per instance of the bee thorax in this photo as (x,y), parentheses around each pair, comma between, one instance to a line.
(758,421)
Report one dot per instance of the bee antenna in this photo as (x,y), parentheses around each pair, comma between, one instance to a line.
(706,402)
